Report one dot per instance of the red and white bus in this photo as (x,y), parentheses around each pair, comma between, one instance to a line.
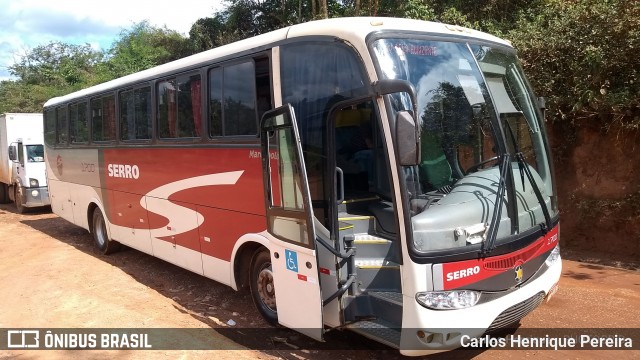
(346,171)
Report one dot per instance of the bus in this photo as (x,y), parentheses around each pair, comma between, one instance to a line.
(388,176)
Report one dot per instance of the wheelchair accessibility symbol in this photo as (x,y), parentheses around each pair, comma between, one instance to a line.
(291,258)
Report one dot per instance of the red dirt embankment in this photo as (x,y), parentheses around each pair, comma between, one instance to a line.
(598,183)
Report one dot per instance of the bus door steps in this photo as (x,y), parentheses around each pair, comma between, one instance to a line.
(377,275)
(386,306)
(378,330)
(374,247)
(361,223)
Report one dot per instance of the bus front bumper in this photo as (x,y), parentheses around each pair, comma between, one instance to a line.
(427,331)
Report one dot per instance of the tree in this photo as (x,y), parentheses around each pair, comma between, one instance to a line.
(48,71)
(57,64)
(208,33)
(142,47)
(582,56)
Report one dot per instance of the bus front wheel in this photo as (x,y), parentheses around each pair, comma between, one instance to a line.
(100,236)
(262,287)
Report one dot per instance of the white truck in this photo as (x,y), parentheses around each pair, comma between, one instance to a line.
(22,168)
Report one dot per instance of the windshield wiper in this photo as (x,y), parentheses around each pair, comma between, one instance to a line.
(523,167)
(492,232)
(536,190)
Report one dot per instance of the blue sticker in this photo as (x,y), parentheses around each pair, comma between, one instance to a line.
(291,259)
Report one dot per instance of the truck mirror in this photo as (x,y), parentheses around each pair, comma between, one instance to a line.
(13,155)
(407,139)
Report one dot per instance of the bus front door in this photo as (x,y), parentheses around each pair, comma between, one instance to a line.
(290,224)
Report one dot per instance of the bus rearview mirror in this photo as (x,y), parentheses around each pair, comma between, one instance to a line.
(407,139)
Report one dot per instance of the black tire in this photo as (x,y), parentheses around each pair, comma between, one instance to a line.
(100,235)
(262,288)
(17,195)
(4,193)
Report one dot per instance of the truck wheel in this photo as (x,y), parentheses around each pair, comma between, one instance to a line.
(100,236)
(262,288)
(4,193)
(18,199)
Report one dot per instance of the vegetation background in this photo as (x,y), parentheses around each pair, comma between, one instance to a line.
(581,55)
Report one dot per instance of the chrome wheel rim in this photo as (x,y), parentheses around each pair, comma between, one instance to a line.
(266,289)
(98,225)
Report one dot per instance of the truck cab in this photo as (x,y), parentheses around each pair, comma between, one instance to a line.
(22,170)
(29,183)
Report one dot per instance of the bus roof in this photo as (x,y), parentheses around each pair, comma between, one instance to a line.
(349,29)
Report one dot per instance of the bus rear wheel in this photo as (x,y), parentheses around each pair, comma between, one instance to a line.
(100,236)
(262,287)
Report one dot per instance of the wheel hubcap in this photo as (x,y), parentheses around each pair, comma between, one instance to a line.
(266,290)
(99,227)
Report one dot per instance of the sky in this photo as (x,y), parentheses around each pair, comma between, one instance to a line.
(25,24)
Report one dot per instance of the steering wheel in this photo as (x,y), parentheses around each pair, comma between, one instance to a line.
(475,167)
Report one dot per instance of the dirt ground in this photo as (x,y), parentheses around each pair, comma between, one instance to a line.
(51,277)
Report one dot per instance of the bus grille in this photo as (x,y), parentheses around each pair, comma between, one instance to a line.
(516,312)
(510,262)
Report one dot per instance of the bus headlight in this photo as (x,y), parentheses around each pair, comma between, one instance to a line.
(448,300)
(554,256)
(33,183)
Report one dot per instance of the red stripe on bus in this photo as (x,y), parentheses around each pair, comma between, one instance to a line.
(462,273)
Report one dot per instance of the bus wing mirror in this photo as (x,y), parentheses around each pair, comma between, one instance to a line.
(407,139)
(542,104)
(13,156)
(390,86)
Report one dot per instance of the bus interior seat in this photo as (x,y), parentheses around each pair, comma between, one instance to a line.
(434,166)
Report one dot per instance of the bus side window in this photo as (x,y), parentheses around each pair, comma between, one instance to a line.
(103,118)
(135,114)
(239,100)
(78,123)
(232,99)
(263,86)
(61,124)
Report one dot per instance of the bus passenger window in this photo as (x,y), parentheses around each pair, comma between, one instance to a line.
(49,126)
(232,100)
(179,107)
(239,100)
(103,118)
(78,124)
(215,102)
(61,123)
(135,114)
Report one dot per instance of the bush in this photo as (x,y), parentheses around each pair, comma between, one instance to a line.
(582,56)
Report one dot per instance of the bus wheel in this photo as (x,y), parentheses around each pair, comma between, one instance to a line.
(100,236)
(262,288)
(18,199)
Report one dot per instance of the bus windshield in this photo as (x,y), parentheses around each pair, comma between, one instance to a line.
(474,105)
